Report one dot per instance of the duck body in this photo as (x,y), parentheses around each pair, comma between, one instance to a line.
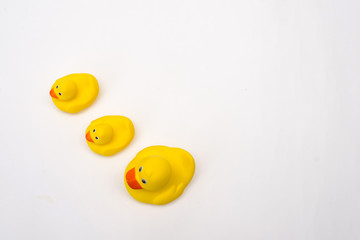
(74,92)
(159,174)
(109,134)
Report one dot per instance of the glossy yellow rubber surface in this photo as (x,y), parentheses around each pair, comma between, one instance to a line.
(159,174)
(74,92)
(109,134)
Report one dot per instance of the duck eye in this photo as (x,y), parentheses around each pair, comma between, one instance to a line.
(143,181)
(57,86)
(140,169)
(96,138)
(94,130)
(60,93)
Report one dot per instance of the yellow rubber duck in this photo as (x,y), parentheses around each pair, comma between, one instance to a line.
(109,134)
(159,174)
(74,92)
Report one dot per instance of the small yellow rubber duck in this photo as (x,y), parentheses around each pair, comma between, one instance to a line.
(109,134)
(74,92)
(159,174)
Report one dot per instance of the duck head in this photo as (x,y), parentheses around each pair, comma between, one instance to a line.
(100,134)
(151,173)
(63,90)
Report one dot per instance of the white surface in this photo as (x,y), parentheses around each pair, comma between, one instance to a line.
(264,94)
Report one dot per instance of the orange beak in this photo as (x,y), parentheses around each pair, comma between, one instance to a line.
(131,180)
(88,137)
(52,93)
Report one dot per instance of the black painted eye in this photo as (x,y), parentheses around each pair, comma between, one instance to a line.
(57,86)
(96,138)
(60,93)
(144,181)
(94,130)
(140,169)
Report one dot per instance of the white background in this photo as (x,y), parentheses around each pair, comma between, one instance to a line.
(264,95)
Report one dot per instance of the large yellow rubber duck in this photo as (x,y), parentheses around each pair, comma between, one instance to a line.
(159,174)
(109,134)
(74,92)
